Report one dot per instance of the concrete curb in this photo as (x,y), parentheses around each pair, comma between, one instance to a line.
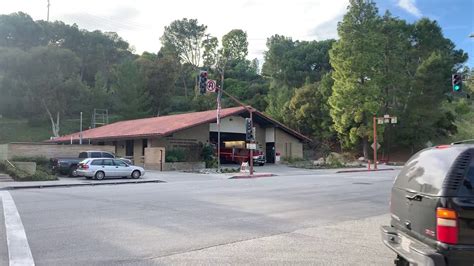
(81,184)
(365,170)
(251,176)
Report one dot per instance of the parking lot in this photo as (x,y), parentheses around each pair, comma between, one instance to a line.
(303,217)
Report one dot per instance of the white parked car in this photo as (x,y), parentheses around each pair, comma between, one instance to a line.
(100,168)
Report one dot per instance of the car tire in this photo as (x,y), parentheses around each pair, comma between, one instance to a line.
(72,171)
(400,261)
(99,175)
(136,174)
(261,164)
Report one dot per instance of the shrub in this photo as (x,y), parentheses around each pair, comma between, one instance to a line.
(20,175)
(207,155)
(175,156)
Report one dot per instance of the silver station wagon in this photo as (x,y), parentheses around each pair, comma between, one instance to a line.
(100,168)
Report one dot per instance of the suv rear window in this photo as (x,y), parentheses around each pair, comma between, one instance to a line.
(425,171)
(107,155)
(96,155)
(83,155)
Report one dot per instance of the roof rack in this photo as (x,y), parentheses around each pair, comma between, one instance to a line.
(462,141)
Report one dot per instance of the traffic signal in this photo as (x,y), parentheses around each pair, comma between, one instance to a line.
(202,82)
(456,81)
(248,130)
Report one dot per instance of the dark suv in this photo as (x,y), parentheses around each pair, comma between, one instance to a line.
(432,208)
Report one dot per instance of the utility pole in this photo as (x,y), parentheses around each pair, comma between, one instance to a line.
(219,96)
(47,16)
(80,132)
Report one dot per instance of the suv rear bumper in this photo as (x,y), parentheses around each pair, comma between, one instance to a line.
(411,249)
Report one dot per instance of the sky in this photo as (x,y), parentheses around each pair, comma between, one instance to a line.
(141,22)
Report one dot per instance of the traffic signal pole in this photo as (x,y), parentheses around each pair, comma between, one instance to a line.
(252,141)
(250,110)
(375,143)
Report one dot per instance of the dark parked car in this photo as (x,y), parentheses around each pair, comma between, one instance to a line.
(68,166)
(432,208)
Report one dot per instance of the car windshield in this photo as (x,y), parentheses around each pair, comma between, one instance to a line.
(246,132)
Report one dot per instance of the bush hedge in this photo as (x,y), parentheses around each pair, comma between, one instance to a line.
(20,175)
(176,155)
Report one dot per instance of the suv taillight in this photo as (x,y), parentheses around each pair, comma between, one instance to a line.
(84,166)
(446,226)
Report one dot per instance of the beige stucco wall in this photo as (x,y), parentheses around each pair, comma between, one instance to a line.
(287,145)
(120,148)
(181,139)
(232,124)
(260,137)
(51,150)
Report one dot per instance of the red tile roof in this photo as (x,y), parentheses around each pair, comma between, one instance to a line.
(158,126)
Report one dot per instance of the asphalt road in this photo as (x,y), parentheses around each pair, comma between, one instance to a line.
(299,217)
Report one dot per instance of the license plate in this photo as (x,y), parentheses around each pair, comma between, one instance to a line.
(405,243)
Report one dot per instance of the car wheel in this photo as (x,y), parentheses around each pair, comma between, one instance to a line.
(399,261)
(72,172)
(261,164)
(99,175)
(136,174)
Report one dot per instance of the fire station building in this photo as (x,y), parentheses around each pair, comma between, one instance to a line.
(192,130)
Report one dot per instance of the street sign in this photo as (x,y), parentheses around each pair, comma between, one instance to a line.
(380,120)
(373,147)
(211,85)
(251,146)
(394,120)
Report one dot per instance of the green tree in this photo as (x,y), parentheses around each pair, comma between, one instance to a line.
(309,109)
(185,37)
(129,88)
(19,30)
(235,45)
(356,58)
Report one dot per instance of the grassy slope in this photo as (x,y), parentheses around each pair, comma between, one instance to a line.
(17,130)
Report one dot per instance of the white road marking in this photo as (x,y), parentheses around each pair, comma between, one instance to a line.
(19,252)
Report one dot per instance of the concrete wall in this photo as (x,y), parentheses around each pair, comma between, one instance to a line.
(231,124)
(51,150)
(3,152)
(184,166)
(287,145)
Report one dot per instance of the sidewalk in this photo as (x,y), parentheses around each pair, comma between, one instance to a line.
(75,181)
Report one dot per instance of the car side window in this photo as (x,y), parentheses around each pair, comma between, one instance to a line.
(96,155)
(107,155)
(83,155)
(119,163)
(107,162)
(96,162)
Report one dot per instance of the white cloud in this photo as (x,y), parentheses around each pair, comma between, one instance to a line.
(410,7)
(142,22)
